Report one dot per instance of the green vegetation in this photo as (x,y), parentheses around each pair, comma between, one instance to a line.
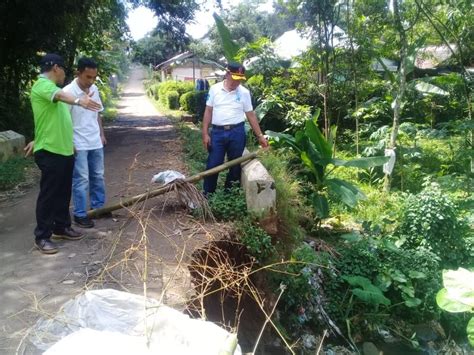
(13,172)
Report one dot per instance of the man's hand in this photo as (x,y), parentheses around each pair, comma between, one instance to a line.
(206,140)
(263,141)
(29,148)
(87,103)
(103,139)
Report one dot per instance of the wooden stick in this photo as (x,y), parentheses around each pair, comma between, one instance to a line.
(164,189)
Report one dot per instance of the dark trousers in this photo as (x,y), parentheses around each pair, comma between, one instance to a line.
(230,142)
(52,206)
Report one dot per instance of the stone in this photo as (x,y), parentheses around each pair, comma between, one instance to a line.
(260,194)
(188,118)
(11,144)
(369,348)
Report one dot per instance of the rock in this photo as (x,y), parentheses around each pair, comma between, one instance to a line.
(72,255)
(11,144)
(69,282)
(369,348)
(260,195)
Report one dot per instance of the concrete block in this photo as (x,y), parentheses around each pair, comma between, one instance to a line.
(260,194)
(11,144)
(189,118)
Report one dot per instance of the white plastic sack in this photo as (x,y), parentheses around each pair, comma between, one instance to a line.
(167,176)
(388,166)
(114,322)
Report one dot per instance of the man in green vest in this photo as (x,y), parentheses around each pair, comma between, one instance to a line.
(54,153)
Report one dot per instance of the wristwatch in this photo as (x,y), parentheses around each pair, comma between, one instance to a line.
(76,101)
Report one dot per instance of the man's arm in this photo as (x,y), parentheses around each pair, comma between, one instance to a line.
(206,121)
(85,101)
(102,135)
(253,121)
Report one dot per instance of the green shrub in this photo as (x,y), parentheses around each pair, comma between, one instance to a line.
(186,101)
(185,86)
(228,205)
(256,240)
(290,206)
(430,221)
(12,172)
(166,87)
(172,100)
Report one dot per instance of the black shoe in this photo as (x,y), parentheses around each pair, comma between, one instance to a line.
(46,246)
(68,234)
(83,222)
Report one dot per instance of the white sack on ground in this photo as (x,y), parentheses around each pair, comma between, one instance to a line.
(118,321)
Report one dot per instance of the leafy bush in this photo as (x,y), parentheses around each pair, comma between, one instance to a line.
(289,203)
(430,221)
(12,172)
(256,240)
(186,101)
(172,100)
(154,91)
(228,205)
(299,302)
(180,87)
(386,283)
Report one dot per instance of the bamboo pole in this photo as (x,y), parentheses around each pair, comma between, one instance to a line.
(164,189)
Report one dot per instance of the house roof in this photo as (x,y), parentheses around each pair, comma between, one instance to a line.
(430,57)
(177,58)
(182,58)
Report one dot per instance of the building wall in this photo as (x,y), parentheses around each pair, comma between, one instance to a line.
(185,72)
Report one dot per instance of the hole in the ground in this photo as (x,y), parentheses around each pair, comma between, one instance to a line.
(226,295)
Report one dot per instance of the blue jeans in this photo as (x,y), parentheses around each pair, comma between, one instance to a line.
(230,142)
(88,180)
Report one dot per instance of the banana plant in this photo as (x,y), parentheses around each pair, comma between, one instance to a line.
(317,156)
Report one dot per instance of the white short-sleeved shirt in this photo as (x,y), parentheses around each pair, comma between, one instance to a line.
(85,125)
(228,107)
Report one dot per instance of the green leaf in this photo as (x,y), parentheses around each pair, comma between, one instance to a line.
(445,302)
(412,302)
(230,47)
(321,206)
(470,331)
(416,274)
(427,88)
(460,285)
(369,293)
(283,138)
(362,163)
(458,294)
(348,193)
(317,138)
(351,237)
(397,275)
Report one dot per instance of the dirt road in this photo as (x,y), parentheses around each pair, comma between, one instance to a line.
(140,143)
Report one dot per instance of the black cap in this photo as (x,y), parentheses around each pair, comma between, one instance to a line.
(236,70)
(50,59)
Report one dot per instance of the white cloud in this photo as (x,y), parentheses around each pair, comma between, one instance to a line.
(141,20)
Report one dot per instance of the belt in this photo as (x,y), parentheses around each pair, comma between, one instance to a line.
(228,127)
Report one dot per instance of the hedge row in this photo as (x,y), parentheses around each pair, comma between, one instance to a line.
(194,102)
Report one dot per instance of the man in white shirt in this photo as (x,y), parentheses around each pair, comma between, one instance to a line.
(88,177)
(227,106)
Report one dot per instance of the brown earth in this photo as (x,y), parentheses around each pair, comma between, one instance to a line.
(158,236)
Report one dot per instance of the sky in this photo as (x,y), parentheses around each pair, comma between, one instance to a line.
(142,20)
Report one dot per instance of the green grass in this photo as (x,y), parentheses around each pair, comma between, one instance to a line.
(13,172)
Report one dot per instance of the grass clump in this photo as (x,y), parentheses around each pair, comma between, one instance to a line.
(13,172)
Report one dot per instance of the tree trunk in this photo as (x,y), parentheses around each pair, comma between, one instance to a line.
(397,104)
(164,189)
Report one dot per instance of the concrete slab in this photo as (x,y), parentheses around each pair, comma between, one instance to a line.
(11,144)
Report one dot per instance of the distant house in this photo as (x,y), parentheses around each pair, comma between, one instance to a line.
(187,67)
